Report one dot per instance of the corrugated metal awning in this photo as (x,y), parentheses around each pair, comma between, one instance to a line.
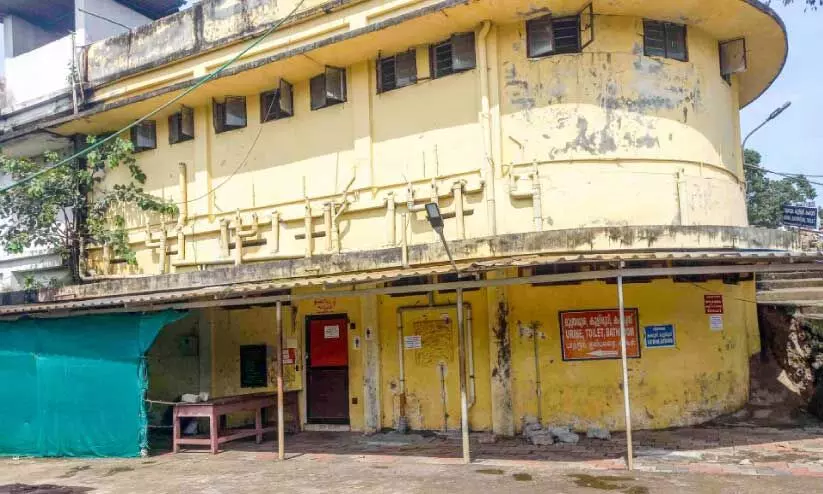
(248,290)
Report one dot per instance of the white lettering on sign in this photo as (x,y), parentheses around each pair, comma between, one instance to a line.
(716,323)
(413,342)
(331,332)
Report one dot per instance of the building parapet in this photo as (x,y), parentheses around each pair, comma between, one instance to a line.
(625,241)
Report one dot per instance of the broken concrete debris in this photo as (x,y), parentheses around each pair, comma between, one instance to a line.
(599,433)
(538,435)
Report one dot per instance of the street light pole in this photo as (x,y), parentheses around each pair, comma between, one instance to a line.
(436,221)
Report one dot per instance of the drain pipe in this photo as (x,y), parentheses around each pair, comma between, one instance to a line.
(274,248)
(224,238)
(538,385)
(183,183)
(309,231)
(443,396)
(402,421)
(459,211)
(470,352)
(404,241)
(535,194)
(327,221)
(240,233)
(158,244)
(391,220)
(181,244)
(485,126)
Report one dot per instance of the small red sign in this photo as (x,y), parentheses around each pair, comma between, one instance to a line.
(595,334)
(713,304)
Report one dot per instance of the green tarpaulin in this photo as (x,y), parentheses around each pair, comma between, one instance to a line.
(75,386)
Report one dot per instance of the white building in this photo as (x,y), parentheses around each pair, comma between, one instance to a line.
(44,75)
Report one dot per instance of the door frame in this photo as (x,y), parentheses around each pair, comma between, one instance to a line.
(307,331)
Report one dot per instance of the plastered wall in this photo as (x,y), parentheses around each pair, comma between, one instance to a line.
(609,136)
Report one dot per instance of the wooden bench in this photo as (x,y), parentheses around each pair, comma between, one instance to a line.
(214,409)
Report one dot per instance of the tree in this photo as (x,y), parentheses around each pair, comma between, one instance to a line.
(69,207)
(765,197)
(814,4)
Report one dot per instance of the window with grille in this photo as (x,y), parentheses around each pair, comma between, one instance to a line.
(328,88)
(278,103)
(144,136)
(181,126)
(549,35)
(396,71)
(230,114)
(457,54)
(665,39)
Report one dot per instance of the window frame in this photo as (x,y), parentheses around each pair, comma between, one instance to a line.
(329,98)
(220,115)
(279,110)
(450,44)
(177,130)
(666,26)
(551,22)
(245,382)
(382,62)
(134,136)
(724,72)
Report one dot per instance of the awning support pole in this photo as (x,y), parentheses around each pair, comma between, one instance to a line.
(464,403)
(281,433)
(624,358)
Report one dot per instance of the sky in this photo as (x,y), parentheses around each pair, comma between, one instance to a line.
(792,143)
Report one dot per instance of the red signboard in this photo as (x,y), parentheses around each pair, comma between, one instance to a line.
(713,304)
(595,334)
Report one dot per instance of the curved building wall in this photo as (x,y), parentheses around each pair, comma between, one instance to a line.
(607,137)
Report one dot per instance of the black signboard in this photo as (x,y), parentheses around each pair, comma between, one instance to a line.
(800,216)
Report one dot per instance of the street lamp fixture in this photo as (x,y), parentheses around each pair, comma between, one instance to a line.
(436,221)
(785,106)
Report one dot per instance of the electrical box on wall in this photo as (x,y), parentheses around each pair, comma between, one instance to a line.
(189,346)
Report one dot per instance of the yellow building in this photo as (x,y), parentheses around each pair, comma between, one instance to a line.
(565,143)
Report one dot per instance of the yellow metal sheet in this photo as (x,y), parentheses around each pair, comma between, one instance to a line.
(431,365)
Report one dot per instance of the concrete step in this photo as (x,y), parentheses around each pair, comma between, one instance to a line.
(793,275)
(777,284)
(805,295)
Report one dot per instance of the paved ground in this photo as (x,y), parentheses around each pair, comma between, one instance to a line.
(700,459)
(239,473)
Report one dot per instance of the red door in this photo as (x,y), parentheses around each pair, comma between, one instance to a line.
(327,370)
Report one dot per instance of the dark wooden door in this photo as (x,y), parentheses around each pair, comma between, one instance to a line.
(327,370)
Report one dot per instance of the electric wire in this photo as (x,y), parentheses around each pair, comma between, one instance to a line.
(789,175)
(197,85)
(238,167)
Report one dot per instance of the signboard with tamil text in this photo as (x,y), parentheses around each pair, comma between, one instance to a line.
(660,336)
(713,304)
(800,216)
(595,334)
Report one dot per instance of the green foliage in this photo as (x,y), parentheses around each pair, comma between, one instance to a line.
(813,4)
(70,205)
(765,197)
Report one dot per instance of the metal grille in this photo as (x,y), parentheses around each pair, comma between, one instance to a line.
(664,39)
(566,34)
(547,36)
(144,136)
(441,57)
(540,37)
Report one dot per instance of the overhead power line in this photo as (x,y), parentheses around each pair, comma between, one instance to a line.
(788,175)
(201,82)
